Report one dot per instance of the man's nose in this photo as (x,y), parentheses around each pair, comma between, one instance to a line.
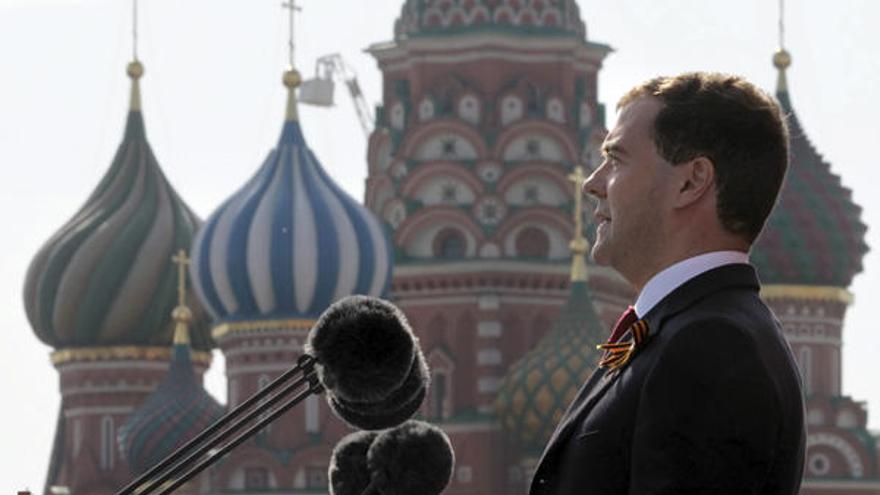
(595,184)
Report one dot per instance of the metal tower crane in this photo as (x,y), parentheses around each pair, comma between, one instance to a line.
(319,90)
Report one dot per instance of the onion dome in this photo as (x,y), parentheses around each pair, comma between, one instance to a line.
(540,17)
(815,235)
(103,279)
(289,243)
(539,387)
(177,411)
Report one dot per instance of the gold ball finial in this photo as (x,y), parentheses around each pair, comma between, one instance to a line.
(135,70)
(182,314)
(292,78)
(782,59)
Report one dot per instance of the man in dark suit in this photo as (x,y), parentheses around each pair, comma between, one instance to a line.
(697,391)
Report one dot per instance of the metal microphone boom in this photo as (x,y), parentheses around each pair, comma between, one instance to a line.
(175,469)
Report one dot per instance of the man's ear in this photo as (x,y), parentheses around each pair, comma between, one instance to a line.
(696,179)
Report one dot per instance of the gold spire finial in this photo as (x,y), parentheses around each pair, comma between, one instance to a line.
(291,78)
(578,245)
(781,59)
(181,314)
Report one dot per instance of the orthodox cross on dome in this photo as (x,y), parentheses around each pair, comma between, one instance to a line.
(135,69)
(291,78)
(578,244)
(181,260)
(781,59)
(181,314)
(293,8)
(134,29)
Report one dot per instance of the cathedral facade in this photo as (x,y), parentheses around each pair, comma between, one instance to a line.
(488,107)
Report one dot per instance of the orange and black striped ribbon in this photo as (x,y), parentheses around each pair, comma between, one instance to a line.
(618,354)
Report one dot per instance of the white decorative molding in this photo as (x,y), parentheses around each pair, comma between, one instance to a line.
(426,109)
(534,146)
(490,250)
(398,116)
(556,110)
(111,388)
(77,412)
(278,368)
(489,384)
(489,302)
(294,346)
(491,329)
(511,109)
(113,366)
(489,357)
(464,474)
(471,427)
(819,464)
(435,300)
(469,109)
(854,462)
(484,266)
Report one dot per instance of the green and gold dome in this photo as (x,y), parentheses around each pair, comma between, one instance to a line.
(815,235)
(539,387)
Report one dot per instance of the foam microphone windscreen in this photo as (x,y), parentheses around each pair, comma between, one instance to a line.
(369,362)
(391,411)
(415,458)
(348,471)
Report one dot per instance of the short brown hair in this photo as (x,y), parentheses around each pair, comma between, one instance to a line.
(740,128)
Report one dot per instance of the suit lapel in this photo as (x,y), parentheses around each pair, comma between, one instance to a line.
(587,396)
(680,299)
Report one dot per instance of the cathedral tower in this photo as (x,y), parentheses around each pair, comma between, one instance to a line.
(811,249)
(487,107)
(101,292)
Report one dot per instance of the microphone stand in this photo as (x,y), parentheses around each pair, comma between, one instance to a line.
(304,369)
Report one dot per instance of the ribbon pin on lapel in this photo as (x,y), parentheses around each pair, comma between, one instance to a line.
(618,354)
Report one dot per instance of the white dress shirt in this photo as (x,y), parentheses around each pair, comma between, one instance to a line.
(669,279)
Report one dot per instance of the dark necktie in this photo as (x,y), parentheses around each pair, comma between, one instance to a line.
(619,353)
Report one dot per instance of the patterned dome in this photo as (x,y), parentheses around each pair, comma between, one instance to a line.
(105,278)
(815,235)
(176,412)
(289,243)
(428,17)
(540,386)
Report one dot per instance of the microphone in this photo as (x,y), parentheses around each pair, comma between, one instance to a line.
(348,472)
(415,458)
(369,362)
(361,352)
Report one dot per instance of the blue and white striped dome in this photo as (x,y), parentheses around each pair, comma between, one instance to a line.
(289,243)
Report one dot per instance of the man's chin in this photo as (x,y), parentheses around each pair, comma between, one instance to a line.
(600,254)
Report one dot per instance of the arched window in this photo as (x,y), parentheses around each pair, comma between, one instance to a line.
(108,442)
(439,405)
(449,244)
(835,372)
(806,367)
(312,412)
(438,392)
(532,242)
(262,382)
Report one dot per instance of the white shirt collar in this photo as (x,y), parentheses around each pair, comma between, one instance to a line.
(670,278)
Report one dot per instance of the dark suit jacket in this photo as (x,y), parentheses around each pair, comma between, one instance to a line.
(711,404)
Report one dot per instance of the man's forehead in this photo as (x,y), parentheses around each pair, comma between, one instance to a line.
(636,117)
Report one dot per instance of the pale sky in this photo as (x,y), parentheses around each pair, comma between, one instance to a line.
(213,105)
